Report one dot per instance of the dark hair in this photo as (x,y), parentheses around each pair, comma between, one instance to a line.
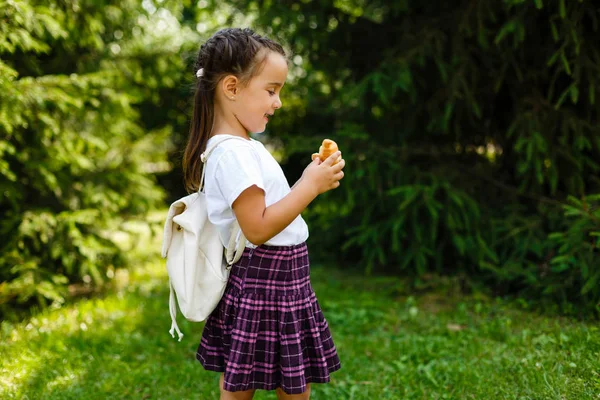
(231,51)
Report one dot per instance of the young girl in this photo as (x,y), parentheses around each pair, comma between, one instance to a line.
(268,331)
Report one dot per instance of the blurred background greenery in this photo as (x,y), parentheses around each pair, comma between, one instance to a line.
(470,132)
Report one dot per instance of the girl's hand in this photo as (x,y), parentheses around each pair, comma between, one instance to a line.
(323,175)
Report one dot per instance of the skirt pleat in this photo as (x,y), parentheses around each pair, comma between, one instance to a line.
(268,330)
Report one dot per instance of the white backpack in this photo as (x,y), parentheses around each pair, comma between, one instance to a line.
(197,270)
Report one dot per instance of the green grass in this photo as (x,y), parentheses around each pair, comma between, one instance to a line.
(435,345)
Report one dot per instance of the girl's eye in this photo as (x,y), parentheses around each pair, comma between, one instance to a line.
(271,92)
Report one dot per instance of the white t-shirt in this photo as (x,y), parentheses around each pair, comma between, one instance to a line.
(234,166)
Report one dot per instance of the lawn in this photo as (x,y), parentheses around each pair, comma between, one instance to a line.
(393,345)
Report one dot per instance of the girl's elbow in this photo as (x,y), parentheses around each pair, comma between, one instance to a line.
(256,238)
(256,242)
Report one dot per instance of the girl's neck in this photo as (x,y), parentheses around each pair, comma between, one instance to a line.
(227,125)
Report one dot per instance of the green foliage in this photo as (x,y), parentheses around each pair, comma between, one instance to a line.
(75,160)
(465,128)
(577,246)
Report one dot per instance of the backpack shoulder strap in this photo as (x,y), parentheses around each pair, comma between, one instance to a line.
(204,156)
(233,253)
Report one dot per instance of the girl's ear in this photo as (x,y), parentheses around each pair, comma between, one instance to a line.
(230,86)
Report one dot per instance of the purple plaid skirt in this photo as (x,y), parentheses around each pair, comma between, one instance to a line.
(268,330)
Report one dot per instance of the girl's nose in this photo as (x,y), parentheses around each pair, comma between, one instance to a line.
(277,103)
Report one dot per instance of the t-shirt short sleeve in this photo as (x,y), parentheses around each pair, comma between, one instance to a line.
(237,169)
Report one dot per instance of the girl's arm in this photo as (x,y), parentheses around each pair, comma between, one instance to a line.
(296,184)
(260,223)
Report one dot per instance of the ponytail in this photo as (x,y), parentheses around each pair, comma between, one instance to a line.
(200,128)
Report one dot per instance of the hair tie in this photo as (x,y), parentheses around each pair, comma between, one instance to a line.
(200,72)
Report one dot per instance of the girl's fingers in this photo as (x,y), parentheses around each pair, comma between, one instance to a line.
(332,157)
(338,167)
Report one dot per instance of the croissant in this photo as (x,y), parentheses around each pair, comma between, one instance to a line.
(327,148)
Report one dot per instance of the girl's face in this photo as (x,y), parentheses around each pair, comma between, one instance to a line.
(257,102)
